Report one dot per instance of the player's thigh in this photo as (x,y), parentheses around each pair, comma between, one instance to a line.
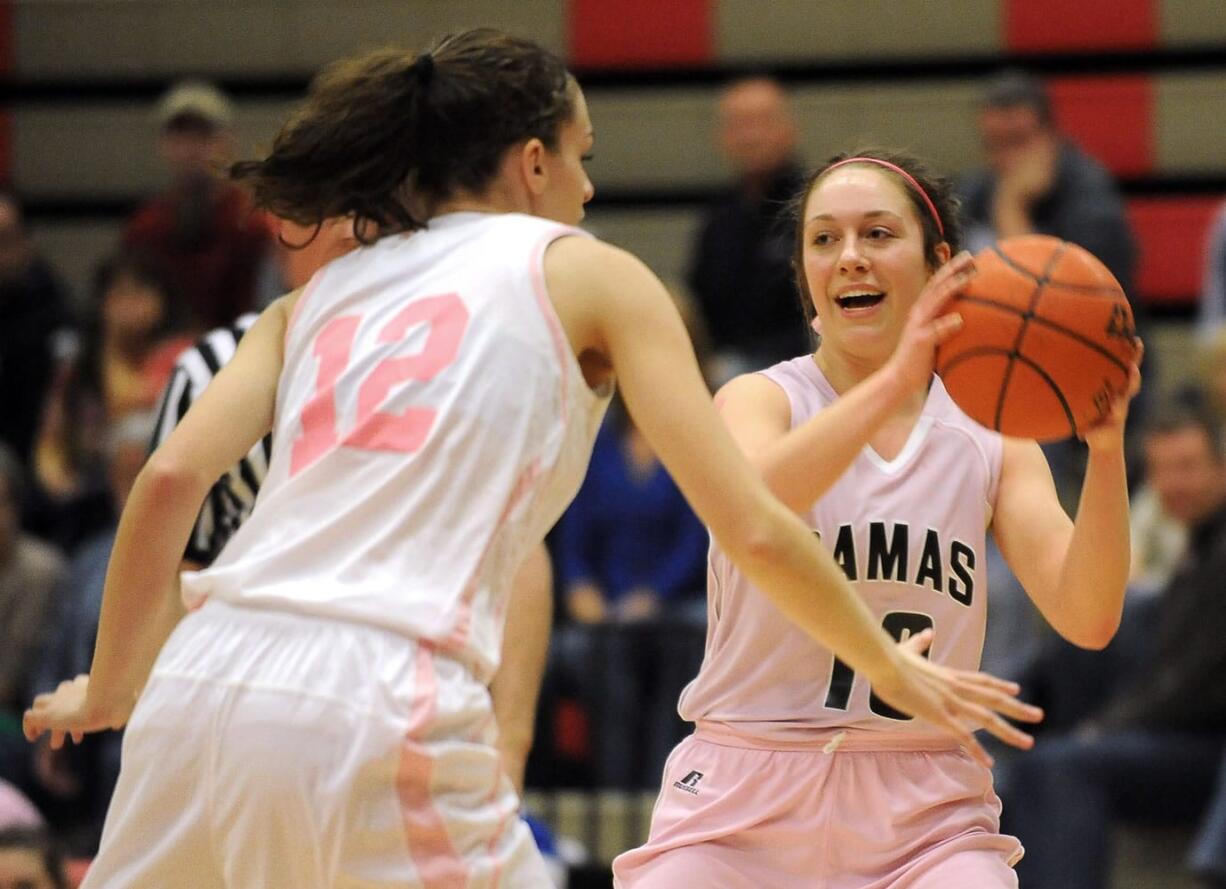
(158,833)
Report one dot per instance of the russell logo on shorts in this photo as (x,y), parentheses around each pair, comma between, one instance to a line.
(689,783)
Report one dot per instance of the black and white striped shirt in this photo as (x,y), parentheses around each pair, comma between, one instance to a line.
(231,499)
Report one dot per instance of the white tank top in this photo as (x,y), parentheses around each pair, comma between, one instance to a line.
(431,425)
(909,533)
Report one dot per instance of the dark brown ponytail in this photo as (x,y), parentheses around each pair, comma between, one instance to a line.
(385,135)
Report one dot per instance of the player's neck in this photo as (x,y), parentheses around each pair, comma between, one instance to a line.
(844,371)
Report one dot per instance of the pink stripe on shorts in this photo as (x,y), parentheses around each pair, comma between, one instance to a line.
(872,813)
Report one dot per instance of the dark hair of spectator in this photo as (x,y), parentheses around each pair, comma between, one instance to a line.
(37,840)
(141,269)
(939,189)
(14,475)
(1187,411)
(1014,88)
(386,135)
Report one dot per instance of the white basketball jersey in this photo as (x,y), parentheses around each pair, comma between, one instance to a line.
(909,533)
(431,425)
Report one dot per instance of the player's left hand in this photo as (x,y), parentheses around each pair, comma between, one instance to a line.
(1108,433)
(68,712)
(961,702)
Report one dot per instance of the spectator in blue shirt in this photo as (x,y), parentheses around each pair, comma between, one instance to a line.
(631,560)
(629,548)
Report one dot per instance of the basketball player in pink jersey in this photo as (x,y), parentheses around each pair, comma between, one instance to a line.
(798,772)
(320,718)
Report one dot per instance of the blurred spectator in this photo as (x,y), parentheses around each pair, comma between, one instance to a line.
(125,359)
(1208,856)
(1212,314)
(75,782)
(1211,372)
(629,546)
(1158,540)
(1152,751)
(1158,543)
(33,325)
(29,859)
(30,572)
(631,559)
(1038,182)
(740,270)
(203,228)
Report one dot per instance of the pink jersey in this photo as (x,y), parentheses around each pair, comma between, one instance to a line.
(431,425)
(909,533)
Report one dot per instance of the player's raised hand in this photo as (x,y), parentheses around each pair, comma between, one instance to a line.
(929,324)
(68,712)
(1108,433)
(957,701)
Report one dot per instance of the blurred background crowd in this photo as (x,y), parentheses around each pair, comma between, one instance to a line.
(121,246)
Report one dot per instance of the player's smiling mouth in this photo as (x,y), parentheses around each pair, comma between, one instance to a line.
(860,299)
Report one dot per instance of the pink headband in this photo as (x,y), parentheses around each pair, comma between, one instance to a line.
(907,177)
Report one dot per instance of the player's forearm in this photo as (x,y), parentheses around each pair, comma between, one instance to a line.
(525,645)
(137,614)
(807,586)
(803,465)
(1094,575)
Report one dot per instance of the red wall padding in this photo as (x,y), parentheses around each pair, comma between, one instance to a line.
(1171,233)
(1110,117)
(1049,25)
(640,33)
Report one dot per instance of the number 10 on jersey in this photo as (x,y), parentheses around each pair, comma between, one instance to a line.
(901,625)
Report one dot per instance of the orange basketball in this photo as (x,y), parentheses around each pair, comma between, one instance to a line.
(1046,341)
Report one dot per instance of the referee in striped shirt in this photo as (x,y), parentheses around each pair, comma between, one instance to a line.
(230,501)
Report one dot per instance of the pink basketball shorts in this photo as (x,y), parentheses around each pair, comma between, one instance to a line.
(840,813)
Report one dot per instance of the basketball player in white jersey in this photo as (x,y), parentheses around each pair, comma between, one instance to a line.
(798,773)
(321,717)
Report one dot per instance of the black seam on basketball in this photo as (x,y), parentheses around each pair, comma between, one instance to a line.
(1089,289)
(1011,263)
(1045,278)
(982,351)
(977,352)
(1025,321)
(1053,325)
(1021,332)
(1068,412)
(1084,340)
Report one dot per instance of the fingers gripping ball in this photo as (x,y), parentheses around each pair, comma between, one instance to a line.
(1046,342)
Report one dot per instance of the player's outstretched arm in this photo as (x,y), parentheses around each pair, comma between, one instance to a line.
(800,465)
(612,305)
(1075,572)
(233,414)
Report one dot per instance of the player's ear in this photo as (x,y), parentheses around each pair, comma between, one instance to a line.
(943,253)
(532,166)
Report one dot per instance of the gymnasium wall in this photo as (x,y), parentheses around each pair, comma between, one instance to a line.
(1139,83)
